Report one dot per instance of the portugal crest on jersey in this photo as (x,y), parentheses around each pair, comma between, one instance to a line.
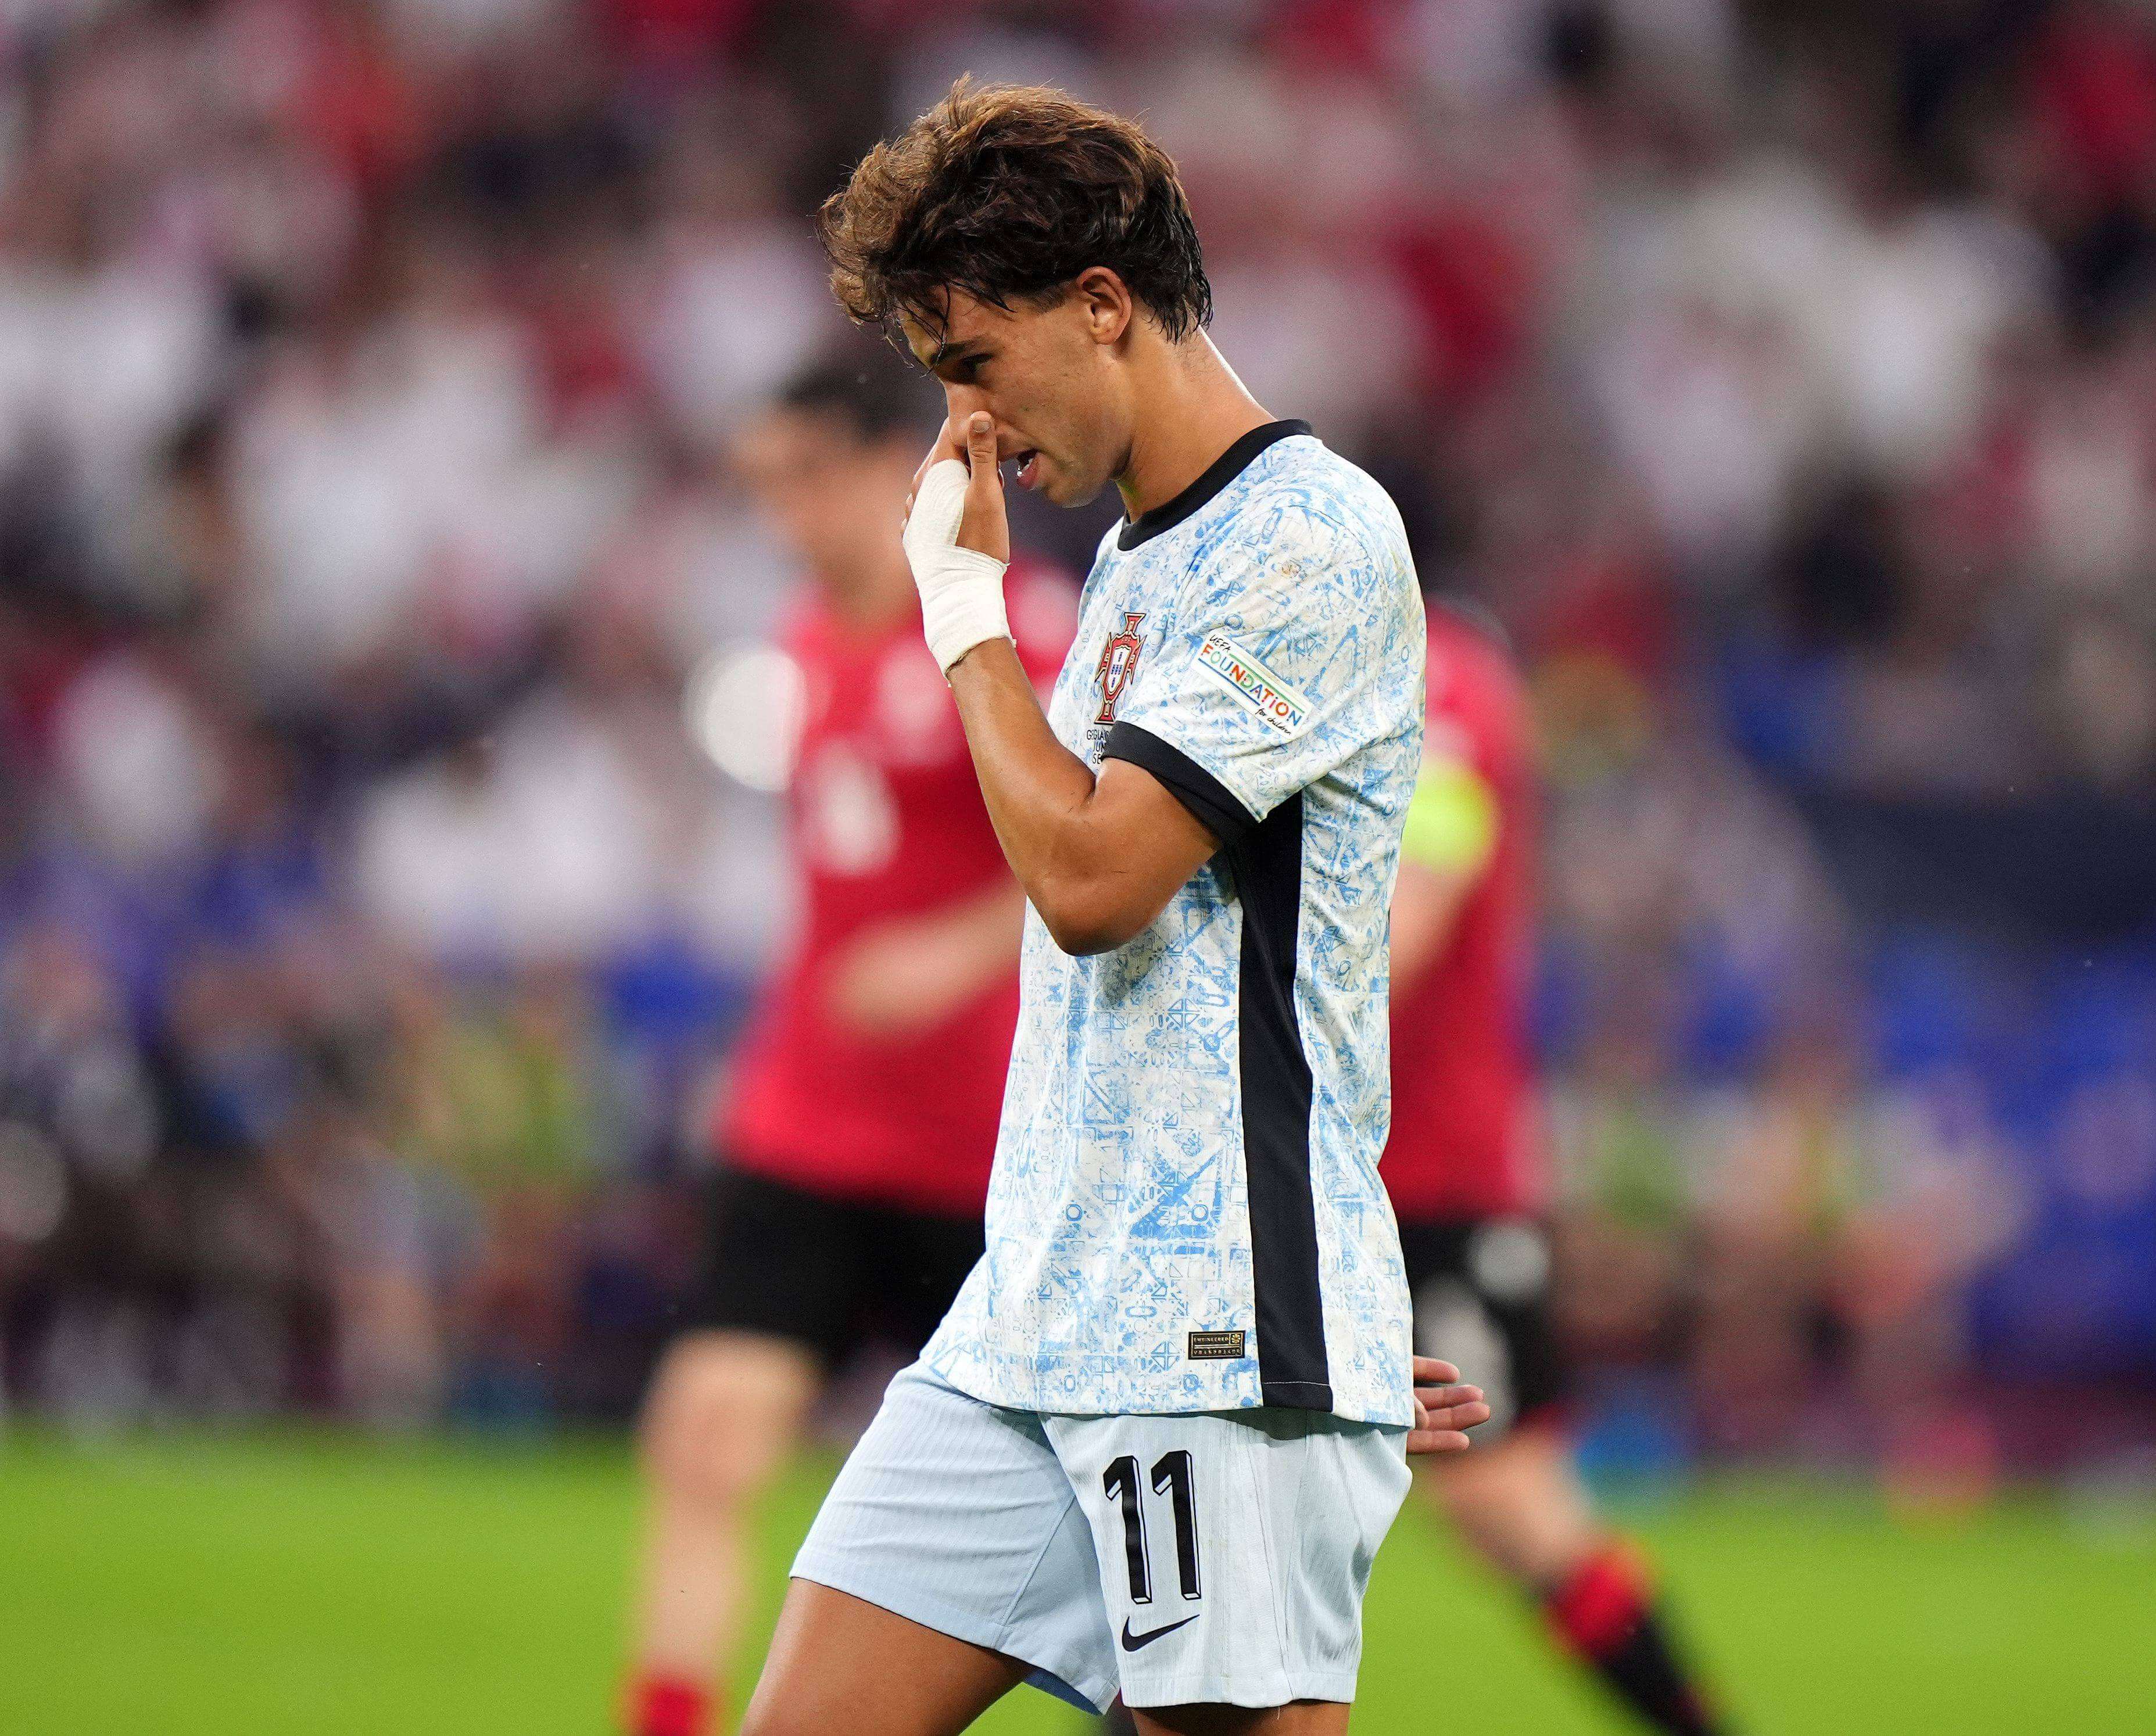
(1119,661)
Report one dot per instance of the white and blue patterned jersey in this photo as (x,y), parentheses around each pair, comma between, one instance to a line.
(1185,1213)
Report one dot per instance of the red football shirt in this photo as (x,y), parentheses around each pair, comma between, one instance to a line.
(1466,1139)
(885,821)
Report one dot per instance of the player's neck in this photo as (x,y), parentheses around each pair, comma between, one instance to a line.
(1193,409)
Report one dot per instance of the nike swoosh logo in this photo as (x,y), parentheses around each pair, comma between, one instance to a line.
(1132,1643)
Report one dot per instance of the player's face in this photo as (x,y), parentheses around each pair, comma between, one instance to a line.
(1049,377)
(827,491)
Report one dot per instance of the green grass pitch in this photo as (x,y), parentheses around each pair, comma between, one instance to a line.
(320,1585)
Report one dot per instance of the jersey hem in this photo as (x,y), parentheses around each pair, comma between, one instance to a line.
(966,1374)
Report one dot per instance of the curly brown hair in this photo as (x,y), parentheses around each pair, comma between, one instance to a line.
(1008,192)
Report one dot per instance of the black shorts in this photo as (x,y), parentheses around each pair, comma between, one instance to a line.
(1482,1289)
(829,1274)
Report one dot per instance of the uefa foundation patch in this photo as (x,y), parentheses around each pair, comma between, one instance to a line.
(1264,692)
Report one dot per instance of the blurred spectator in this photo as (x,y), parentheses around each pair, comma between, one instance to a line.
(371,910)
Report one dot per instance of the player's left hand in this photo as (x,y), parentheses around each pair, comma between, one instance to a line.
(1444,1409)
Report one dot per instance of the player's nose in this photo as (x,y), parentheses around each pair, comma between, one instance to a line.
(961,401)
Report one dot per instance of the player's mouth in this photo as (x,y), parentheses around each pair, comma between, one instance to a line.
(1027,474)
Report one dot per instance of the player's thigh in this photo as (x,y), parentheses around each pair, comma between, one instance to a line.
(725,1410)
(838,1662)
(775,1290)
(1307,1718)
(1521,1504)
(1304,1718)
(1235,1549)
(957,1515)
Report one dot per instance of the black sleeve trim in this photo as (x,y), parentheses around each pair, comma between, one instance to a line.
(1191,784)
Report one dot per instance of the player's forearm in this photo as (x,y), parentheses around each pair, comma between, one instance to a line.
(1038,795)
(909,975)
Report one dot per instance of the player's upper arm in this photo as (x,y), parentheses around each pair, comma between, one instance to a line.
(1136,846)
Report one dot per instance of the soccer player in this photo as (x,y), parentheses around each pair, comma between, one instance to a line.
(1157,1441)
(1465,1170)
(863,1115)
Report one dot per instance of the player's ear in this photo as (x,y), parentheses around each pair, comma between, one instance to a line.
(1106,301)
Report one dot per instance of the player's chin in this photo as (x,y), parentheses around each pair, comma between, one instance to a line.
(1061,488)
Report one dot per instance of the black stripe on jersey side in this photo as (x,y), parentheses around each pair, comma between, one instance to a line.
(1217,474)
(1293,1370)
(1265,860)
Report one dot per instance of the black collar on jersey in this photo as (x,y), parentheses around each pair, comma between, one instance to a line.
(1222,471)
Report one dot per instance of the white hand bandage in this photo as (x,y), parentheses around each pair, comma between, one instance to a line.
(961,590)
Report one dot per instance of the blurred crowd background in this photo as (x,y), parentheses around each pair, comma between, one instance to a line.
(384,871)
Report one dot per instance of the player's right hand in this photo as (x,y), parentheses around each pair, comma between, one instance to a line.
(985,525)
(1445,1409)
(958,543)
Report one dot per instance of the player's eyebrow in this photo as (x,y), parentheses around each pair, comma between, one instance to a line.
(965,350)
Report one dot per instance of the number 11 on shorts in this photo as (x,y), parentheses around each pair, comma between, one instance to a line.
(1171,1477)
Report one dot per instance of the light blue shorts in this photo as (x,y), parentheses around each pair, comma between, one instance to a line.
(1217,1559)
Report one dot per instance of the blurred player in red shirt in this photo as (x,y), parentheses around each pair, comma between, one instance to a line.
(1464,1169)
(848,1199)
